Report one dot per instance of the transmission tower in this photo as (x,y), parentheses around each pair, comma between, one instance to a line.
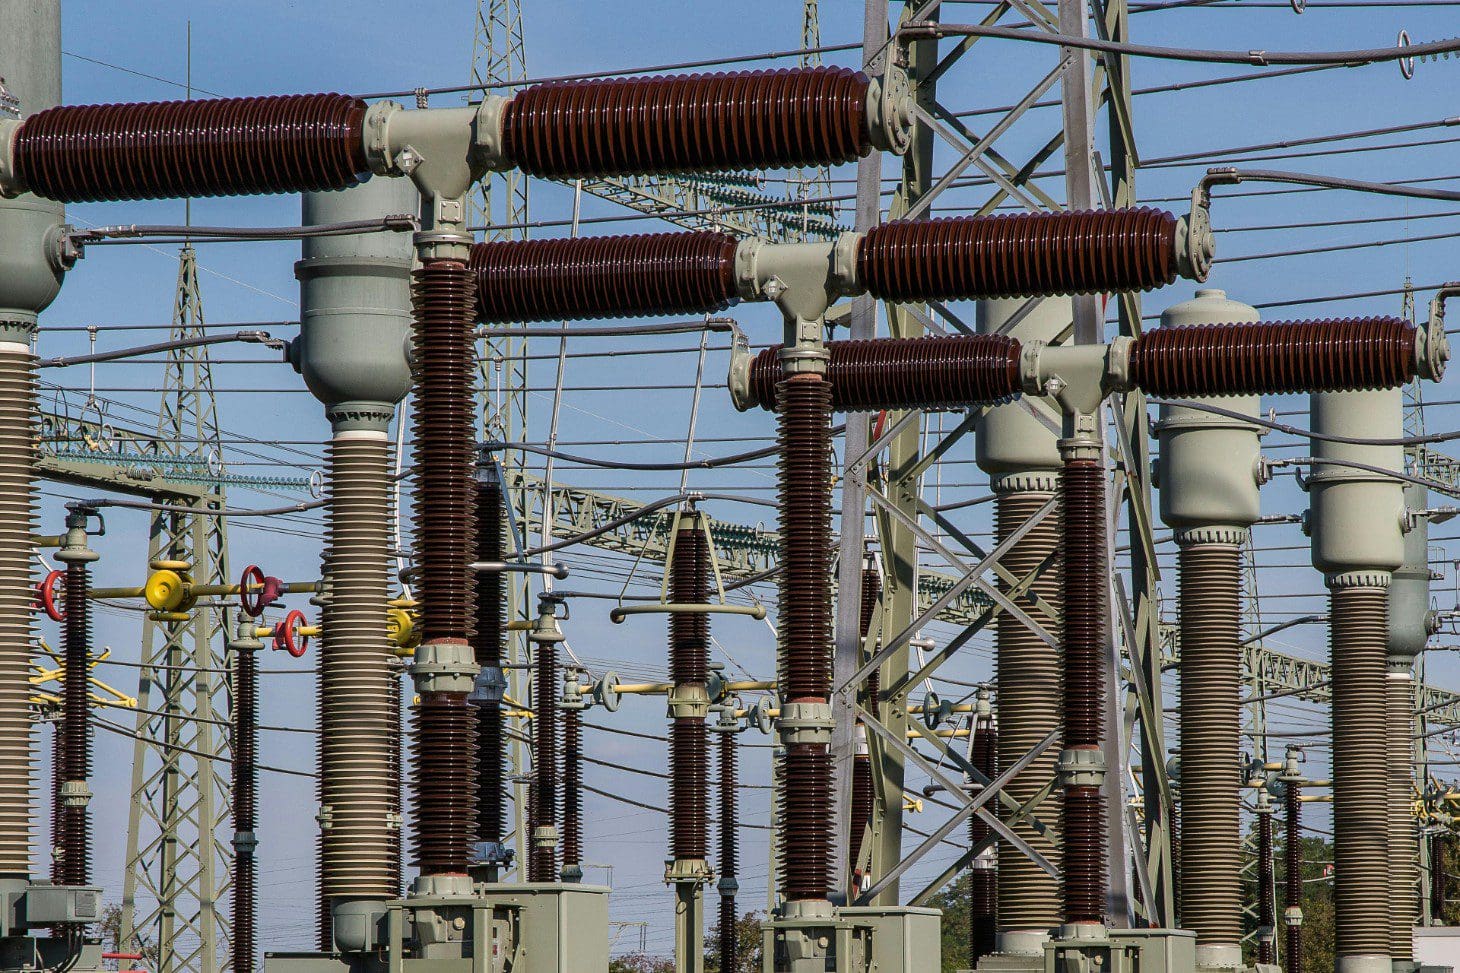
(499,59)
(177,868)
(812,184)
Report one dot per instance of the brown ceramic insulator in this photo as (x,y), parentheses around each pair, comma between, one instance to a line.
(445,436)
(572,788)
(906,373)
(542,864)
(804,404)
(1403,870)
(689,584)
(871,591)
(487,647)
(1210,717)
(686,123)
(1083,853)
(1027,675)
(604,277)
(1358,635)
(689,811)
(729,848)
(1085,617)
(212,147)
(1293,872)
(445,794)
(245,805)
(983,880)
(863,797)
(1439,877)
(57,771)
(1084,582)
(1330,355)
(75,829)
(806,822)
(1266,913)
(1022,255)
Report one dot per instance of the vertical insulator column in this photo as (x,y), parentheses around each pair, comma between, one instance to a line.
(542,860)
(1209,571)
(863,796)
(18,437)
(689,658)
(75,843)
(804,612)
(487,643)
(444,775)
(359,699)
(983,879)
(1027,674)
(1293,875)
(1085,580)
(58,761)
(245,799)
(1439,878)
(1266,914)
(1357,638)
(572,870)
(729,853)
(1403,865)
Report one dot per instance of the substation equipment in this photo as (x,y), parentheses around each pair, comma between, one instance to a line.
(381,315)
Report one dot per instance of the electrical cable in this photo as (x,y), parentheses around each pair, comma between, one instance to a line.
(243,337)
(1221,175)
(687,327)
(123,731)
(147,233)
(1438,437)
(925,30)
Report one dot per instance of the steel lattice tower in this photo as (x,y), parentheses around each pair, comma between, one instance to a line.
(177,868)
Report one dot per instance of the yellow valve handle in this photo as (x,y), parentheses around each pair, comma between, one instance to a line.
(167,591)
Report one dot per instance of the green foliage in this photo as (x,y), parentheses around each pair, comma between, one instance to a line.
(748,938)
(640,963)
(1316,856)
(953,900)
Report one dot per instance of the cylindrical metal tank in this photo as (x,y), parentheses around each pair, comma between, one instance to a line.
(1410,625)
(1355,519)
(1020,455)
(30,65)
(354,316)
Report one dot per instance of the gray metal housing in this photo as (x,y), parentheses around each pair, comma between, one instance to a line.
(355,308)
(1411,622)
(1012,446)
(1355,514)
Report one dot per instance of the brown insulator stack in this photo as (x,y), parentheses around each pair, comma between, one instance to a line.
(75,835)
(909,373)
(542,865)
(1439,877)
(1403,865)
(1293,873)
(687,123)
(1022,255)
(729,852)
(210,147)
(1266,914)
(572,795)
(1083,833)
(487,646)
(444,775)
(245,804)
(1333,355)
(983,878)
(863,796)
(689,661)
(1209,573)
(1027,673)
(58,762)
(1358,636)
(605,277)
(804,609)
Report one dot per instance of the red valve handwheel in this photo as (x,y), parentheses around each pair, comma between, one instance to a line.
(47,590)
(287,637)
(252,602)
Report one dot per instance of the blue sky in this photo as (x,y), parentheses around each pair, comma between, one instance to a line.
(274,426)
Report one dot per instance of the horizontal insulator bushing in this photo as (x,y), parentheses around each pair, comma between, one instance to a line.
(1023,255)
(604,277)
(699,122)
(1328,355)
(906,373)
(212,147)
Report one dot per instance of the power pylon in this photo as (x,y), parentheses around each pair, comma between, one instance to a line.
(177,867)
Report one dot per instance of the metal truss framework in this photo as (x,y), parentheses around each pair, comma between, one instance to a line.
(177,866)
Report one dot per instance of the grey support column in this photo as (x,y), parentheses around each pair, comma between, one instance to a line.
(355,313)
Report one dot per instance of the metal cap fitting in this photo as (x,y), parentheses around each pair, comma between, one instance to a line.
(489,686)
(1081,768)
(689,699)
(245,842)
(444,666)
(75,793)
(1431,349)
(545,836)
(1196,246)
(738,377)
(890,112)
(805,723)
(693,870)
